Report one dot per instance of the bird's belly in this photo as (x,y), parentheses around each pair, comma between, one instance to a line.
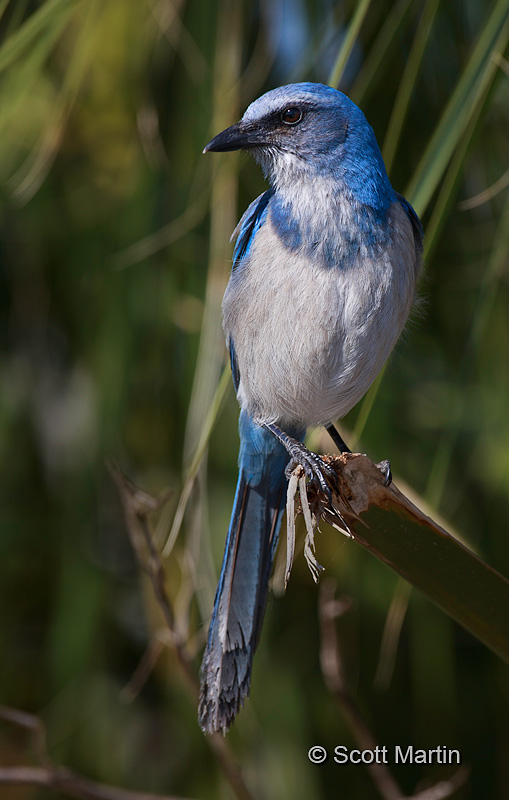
(310,340)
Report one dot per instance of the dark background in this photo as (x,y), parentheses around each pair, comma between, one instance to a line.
(114,255)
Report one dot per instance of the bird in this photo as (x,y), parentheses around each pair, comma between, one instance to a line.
(324,275)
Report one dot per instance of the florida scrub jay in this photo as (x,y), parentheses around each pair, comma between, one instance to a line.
(323,279)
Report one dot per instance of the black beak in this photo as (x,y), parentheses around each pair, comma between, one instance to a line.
(237,137)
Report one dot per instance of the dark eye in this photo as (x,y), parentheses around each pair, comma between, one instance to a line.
(291,116)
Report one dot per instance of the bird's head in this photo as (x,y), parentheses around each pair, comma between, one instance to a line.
(305,130)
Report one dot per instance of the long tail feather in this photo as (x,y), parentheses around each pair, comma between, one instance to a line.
(241,595)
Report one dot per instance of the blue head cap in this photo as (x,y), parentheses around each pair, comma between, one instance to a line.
(309,130)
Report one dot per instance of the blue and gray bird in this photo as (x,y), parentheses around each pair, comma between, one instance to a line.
(324,273)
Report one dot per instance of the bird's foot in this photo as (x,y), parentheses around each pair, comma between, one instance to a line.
(316,469)
(319,473)
(385,469)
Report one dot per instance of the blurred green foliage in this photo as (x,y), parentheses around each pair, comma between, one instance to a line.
(114,255)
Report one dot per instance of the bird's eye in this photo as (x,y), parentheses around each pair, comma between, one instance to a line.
(291,116)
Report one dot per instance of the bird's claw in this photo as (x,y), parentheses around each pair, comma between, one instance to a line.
(385,469)
(315,468)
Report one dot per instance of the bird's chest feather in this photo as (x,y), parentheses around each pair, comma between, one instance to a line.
(310,334)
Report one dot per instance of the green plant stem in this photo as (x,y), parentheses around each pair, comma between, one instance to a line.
(348,42)
(408,79)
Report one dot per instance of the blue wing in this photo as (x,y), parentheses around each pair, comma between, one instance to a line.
(414,219)
(250,222)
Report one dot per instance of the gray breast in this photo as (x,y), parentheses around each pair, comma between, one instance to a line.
(310,340)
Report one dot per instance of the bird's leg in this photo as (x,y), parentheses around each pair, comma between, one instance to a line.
(315,468)
(336,438)
(383,466)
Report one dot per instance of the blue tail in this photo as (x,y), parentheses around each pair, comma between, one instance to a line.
(241,595)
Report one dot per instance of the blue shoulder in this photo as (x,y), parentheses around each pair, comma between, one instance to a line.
(251,221)
(414,219)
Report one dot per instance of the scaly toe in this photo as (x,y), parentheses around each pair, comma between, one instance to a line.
(319,473)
